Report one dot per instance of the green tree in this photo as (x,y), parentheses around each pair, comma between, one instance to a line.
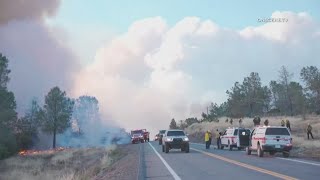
(8,115)
(311,77)
(173,124)
(27,127)
(56,113)
(285,79)
(190,121)
(4,71)
(236,101)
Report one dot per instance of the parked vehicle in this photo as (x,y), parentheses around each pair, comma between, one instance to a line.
(137,136)
(156,137)
(175,139)
(145,135)
(270,139)
(235,138)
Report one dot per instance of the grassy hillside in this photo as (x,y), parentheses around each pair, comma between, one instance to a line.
(302,146)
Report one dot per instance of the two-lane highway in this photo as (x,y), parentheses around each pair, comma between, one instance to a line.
(219,164)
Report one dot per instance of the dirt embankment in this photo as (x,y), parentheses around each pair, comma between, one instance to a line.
(302,147)
(114,162)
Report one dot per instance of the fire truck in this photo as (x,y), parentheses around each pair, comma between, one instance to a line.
(139,135)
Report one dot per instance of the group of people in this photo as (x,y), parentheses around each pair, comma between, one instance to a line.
(208,139)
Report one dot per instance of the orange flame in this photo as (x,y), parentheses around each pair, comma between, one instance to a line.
(34,152)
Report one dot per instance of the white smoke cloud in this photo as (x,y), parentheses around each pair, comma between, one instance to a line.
(154,72)
(38,60)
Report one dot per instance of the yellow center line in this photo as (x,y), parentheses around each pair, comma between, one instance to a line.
(281,176)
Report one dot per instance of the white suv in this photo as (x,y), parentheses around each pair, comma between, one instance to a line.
(235,138)
(270,139)
(175,139)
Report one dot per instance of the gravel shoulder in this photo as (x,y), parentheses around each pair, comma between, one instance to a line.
(126,168)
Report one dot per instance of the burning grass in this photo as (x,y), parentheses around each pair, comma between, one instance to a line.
(61,163)
(302,146)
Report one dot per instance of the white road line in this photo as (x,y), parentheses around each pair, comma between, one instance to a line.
(310,163)
(174,174)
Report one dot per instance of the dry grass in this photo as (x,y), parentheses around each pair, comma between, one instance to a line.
(71,164)
(302,146)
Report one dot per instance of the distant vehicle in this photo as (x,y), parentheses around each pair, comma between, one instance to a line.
(270,139)
(137,136)
(235,138)
(156,137)
(175,139)
(161,133)
(145,135)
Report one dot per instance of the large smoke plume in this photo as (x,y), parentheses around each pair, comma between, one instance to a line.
(27,9)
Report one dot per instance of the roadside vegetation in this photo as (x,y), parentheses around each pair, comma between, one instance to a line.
(284,98)
(69,164)
(76,121)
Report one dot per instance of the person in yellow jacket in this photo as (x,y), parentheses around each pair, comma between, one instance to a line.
(217,134)
(206,139)
(283,123)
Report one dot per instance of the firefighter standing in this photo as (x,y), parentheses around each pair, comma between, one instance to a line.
(309,131)
(218,139)
(283,123)
(206,139)
(288,124)
(210,139)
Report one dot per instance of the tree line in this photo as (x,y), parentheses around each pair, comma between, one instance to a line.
(251,98)
(54,117)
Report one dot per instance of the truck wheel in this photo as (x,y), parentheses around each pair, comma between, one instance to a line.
(162,148)
(167,148)
(260,151)
(187,148)
(239,148)
(286,154)
(248,151)
(142,141)
(272,153)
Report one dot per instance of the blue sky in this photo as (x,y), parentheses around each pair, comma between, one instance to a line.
(118,15)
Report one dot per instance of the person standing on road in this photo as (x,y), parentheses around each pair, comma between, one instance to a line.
(218,139)
(309,131)
(210,139)
(283,123)
(231,121)
(240,122)
(206,139)
(288,124)
(266,122)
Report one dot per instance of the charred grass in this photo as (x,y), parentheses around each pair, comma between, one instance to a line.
(70,164)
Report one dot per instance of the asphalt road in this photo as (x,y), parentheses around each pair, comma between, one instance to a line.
(202,164)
